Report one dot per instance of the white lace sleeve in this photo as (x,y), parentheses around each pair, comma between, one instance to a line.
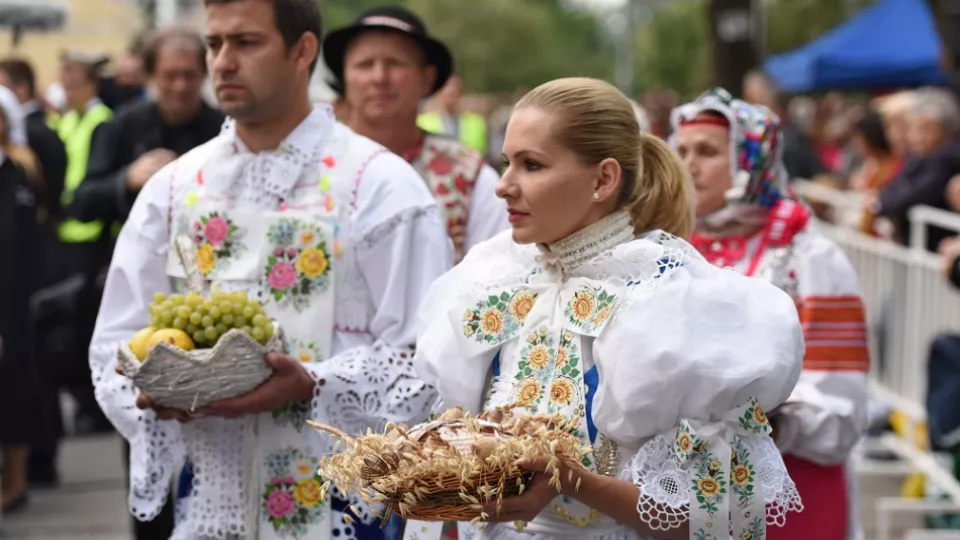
(136,274)
(368,385)
(718,349)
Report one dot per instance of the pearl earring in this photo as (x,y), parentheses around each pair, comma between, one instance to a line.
(596,196)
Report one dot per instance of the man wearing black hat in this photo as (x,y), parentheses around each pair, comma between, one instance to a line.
(384,65)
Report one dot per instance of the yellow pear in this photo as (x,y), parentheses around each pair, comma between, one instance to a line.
(177,338)
(138,343)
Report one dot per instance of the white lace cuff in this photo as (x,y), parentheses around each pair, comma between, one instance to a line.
(156,447)
(719,476)
(366,387)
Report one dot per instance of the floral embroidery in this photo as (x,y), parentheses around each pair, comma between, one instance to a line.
(296,414)
(561,392)
(754,419)
(498,317)
(702,534)
(217,240)
(567,360)
(299,263)
(709,484)
(741,472)
(536,355)
(589,308)
(291,499)
(528,392)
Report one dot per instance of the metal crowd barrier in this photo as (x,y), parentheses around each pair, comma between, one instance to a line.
(908,302)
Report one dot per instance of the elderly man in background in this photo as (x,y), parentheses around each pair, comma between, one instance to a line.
(384,65)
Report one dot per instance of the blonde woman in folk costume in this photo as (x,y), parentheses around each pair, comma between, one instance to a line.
(601,312)
(747,222)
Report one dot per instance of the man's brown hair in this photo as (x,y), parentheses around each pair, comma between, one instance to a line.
(293,18)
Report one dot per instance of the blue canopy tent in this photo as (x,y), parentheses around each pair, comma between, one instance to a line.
(893,43)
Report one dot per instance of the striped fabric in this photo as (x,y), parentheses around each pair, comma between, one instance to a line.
(835,331)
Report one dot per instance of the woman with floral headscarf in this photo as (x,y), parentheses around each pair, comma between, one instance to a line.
(746,221)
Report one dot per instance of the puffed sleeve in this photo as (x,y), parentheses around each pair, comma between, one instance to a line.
(827,411)
(687,368)
(440,349)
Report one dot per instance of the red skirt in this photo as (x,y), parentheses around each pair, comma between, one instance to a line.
(823,491)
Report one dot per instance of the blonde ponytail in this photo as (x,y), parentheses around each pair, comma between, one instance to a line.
(662,196)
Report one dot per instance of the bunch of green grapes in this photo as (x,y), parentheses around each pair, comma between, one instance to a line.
(205,319)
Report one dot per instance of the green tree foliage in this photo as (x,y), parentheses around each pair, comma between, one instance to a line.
(673,49)
(503,45)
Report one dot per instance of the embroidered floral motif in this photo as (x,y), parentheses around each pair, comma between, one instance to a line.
(498,317)
(299,263)
(295,414)
(567,358)
(217,240)
(709,484)
(291,498)
(590,307)
(702,534)
(754,419)
(741,472)
(536,355)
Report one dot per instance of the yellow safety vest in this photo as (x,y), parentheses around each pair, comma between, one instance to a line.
(76,132)
(472,128)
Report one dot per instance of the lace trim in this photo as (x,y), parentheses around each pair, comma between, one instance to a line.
(378,232)
(587,243)
(666,485)
(156,449)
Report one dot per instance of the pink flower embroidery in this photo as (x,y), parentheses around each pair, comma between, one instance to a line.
(282,276)
(275,480)
(216,231)
(280,504)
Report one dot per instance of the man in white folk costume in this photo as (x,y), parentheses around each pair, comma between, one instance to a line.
(604,314)
(384,65)
(336,236)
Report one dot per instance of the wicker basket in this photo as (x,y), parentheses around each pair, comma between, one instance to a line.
(448,469)
(187,380)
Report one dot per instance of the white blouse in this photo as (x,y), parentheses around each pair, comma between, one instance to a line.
(667,360)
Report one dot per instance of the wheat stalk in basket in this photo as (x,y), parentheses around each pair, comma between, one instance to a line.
(450,468)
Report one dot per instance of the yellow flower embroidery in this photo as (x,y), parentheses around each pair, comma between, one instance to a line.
(759,416)
(528,392)
(561,392)
(583,305)
(307,238)
(684,443)
(563,354)
(467,330)
(307,493)
(206,258)
(539,357)
(741,474)
(746,535)
(491,322)
(520,306)
(532,339)
(714,465)
(312,262)
(305,357)
(602,315)
(708,486)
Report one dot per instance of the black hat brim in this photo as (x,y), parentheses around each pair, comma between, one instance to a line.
(335,50)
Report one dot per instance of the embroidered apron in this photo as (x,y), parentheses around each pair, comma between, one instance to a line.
(286,259)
